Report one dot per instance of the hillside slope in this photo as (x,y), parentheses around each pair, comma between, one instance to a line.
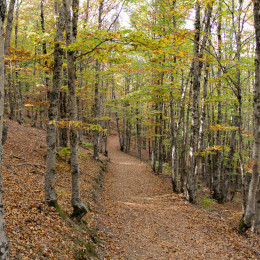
(35,231)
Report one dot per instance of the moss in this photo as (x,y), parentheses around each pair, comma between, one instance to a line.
(86,145)
(84,249)
(60,211)
(206,202)
(242,226)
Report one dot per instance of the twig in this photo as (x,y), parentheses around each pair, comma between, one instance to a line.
(11,168)
(255,250)
(37,171)
(32,164)
(15,156)
(212,212)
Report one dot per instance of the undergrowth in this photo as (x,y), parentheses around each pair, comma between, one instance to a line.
(206,202)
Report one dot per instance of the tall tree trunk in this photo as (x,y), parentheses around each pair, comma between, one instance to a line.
(192,177)
(44,45)
(71,14)
(250,213)
(4,252)
(53,99)
(9,27)
(127,117)
(176,164)
(216,185)
(138,132)
(63,132)
(80,105)
(96,111)
(96,107)
(63,110)
(8,72)
(185,133)
(197,67)
(19,116)
(160,126)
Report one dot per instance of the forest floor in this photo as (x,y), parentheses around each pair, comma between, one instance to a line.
(140,218)
(134,216)
(34,230)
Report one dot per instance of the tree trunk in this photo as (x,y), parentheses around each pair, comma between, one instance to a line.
(63,131)
(256,222)
(19,116)
(96,111)
(138,133)
(197,67)
(9,84)
(53,99)
(96,107)
(4,252)
(192,177)
(127,117)
(250,212)
(71,14)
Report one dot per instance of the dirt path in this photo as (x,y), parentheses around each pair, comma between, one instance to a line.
(142,219)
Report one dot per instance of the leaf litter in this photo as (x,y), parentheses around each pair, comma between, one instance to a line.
(140,218)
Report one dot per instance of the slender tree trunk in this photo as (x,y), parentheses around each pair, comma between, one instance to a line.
(8,72)
(63,132)
(192,178)
(185,132)
(216,187)
(80,105)
(96,107)
(138,133)
(256,222)
(160,126)
(96,110)
(4,252)
(127,118)
(250,213)
(160,139)
(53,99)
(19,116)
(176,164)
(71,14)
(197,67)
(63,111)
(44,45)
(155,141)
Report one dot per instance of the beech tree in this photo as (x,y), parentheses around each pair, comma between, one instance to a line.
(53,98)
(4,252)
(71,15)
(251,216)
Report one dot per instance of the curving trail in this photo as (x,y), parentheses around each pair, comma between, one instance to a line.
(142,219)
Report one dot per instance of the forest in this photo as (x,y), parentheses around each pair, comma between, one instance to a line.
(169,84)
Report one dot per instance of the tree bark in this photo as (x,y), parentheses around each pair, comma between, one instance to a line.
(9,26)
(53,99)
(71,14)
(96,111)
(8,72)
(197,67)
(250,212)
(96,107)
(4,252)
(192,177)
